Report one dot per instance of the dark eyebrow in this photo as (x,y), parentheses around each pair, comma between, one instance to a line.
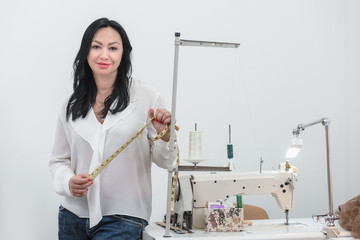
(112,43)
(100,43)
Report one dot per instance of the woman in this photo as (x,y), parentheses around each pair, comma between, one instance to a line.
(105,110)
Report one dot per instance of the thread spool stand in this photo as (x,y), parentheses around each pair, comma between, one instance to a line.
(172,149)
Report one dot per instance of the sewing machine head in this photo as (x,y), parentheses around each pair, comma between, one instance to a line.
(195,190)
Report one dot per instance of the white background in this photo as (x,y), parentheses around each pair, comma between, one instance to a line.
(298,62)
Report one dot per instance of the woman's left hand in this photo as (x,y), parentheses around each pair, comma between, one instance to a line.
(162,117)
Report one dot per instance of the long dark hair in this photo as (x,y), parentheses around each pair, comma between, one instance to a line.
(84,86)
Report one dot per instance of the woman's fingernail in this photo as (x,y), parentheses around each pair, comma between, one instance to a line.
(150,109)
(156,119)
(163,122)
(89,179)
(91,182)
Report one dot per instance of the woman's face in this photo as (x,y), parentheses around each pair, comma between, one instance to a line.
(105,52)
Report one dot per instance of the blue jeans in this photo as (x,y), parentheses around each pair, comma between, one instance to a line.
(114,227)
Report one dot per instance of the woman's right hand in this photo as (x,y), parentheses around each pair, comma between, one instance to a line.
(79,184)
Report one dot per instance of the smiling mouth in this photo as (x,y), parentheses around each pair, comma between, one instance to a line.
(103,65)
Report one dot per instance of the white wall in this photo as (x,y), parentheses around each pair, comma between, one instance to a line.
(298,62)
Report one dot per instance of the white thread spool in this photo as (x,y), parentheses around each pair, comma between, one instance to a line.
(195,145)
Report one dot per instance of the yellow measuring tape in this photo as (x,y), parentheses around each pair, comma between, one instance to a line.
(99,169)
(174,183)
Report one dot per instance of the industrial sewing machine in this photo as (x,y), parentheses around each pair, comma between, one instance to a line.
(195,190)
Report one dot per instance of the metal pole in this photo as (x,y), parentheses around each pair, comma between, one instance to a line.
(331,210)
(172,147)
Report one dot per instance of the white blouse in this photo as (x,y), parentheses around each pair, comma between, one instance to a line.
(124,186)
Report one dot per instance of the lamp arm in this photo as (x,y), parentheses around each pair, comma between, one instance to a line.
(325,122)
(301,127)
